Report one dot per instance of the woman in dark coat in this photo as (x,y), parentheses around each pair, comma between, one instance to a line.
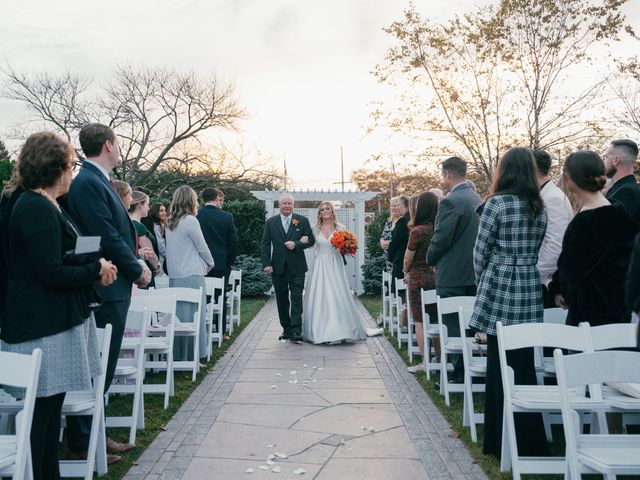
(46,303)
(512,227)
(596,249)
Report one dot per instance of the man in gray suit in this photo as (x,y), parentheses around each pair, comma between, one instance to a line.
(451,248)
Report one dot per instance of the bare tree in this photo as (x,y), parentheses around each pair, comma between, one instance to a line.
(155,112)
(498,77)
(626,88)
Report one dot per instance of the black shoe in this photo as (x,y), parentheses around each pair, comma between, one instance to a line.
(284,336)
(296,338)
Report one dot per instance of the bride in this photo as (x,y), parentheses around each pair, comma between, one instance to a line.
(329,312)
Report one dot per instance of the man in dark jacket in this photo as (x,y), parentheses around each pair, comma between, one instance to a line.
(620,160)
(219,232)
(96,208)
(451,248)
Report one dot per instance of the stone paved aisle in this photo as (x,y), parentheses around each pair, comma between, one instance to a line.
(338,412)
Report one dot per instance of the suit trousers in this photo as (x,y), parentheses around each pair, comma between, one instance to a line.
(115,313)
(45,429)
(451,321)
(288,287)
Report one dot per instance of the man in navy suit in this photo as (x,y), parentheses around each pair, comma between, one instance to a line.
(285,237)
(219,232)
(96,207)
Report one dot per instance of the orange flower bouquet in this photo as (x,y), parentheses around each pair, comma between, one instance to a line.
(345,242)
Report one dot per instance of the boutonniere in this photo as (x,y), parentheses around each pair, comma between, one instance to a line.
(295,222)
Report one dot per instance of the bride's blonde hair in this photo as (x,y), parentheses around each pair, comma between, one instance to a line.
(333,214)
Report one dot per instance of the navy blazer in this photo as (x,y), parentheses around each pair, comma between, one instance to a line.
(273,251)
(96,207)
(220,234)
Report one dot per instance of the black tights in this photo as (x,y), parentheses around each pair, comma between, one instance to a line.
(45,431)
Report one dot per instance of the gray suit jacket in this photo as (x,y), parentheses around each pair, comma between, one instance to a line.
(451,248)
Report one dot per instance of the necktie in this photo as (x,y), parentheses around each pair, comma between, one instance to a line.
(286,224)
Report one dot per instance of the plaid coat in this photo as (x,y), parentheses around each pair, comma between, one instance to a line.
(505,257)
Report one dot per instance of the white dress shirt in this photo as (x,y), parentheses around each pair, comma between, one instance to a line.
(559,214)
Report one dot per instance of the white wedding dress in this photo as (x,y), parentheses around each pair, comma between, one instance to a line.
(329,313)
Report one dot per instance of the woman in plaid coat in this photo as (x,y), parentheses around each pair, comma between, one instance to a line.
(512,227)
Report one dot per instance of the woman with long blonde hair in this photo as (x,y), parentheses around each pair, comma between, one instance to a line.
(188,260)
(329,313)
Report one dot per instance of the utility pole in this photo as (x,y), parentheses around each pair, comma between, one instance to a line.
(285,172)
(342,181)
(393,174)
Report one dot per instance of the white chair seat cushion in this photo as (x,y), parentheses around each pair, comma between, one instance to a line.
(433,331)
(547,398)
(8,449)
(126,371)
(478,366)
(184,328)
(75,402)
(615,456)
(159,343)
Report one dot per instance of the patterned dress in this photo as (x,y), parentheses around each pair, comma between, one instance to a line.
(505,258)
(420,275)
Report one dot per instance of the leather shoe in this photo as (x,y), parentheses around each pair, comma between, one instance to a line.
(111,459)
(296,338)
(284,336)
(116,447)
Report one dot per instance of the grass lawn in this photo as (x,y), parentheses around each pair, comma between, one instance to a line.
(155,416)
(453,414)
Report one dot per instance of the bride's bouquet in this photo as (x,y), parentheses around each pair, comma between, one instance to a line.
(345,242)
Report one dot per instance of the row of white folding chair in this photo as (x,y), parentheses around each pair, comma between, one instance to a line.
(19,371)
(131,369)
(601,453)
(214,313)
(546,398)
(429,332)
(451,345)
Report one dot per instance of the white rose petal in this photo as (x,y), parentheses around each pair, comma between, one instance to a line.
(263,467)
(269,446)
(270,462)
(275,469)
(273,387)
(278,374)
(272,457)
(281,456)
(293,372)
(249,470)
(299,471)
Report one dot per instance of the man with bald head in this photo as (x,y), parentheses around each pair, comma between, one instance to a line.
(620,160)
(285,237)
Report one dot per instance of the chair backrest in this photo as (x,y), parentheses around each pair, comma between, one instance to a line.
(183,294)
(613,335)
(555,315)
(212,284)
(235,280)
(526,335)
(464,317)
(22,371)
(427,297)
(400,285)
(451,305)
(162,307)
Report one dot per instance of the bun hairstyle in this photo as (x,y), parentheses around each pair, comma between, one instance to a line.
(587,170)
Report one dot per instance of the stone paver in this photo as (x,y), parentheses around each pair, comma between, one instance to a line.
(346,411)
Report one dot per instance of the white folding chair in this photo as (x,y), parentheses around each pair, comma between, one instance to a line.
(129,369)
(534,398)
(596,453)
(184,327)
(20,371)
(90,403)
(386,300)
(235,298)
(450,345)
(412,342)
(214,313)
(429,332)
(474,367)
(159,341)
(401,287)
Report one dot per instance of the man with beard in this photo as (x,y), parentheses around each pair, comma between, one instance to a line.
(620,160)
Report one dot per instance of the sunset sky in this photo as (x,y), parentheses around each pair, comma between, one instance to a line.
(301,69)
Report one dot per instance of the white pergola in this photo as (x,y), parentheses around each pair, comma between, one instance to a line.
(357,198)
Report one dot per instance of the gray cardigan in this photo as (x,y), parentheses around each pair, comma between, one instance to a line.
(187,252)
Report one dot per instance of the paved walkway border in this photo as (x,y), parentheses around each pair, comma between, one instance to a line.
(169,455)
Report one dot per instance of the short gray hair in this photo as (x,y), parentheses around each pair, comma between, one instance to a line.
(285,195)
